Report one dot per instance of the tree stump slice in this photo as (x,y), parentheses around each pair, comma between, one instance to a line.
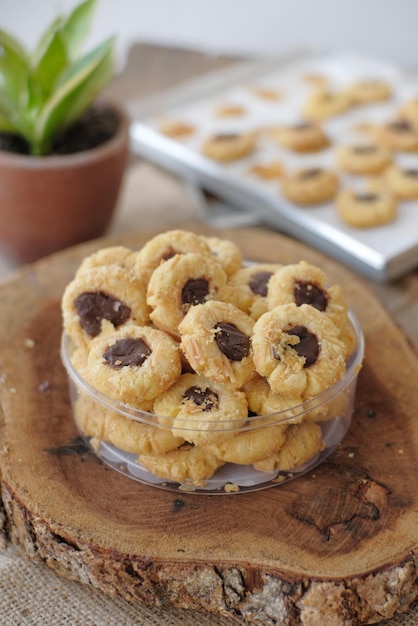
(337,546)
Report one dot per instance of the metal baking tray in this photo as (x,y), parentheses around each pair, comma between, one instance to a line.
(381,253)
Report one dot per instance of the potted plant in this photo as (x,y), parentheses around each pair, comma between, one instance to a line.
(63,152)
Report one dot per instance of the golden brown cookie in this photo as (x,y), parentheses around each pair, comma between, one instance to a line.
(215,338)
(226,253)
(263,401)
(298,350)
(134,364)
(365,209)
(202,410)
(272,170)
(302,443)
(176,129)
(402,182)
(399,135)
(100,299)
(302,138)
(323,104)
(267,93)
(366,158)
(166,245)
(112,255)
(310,186)
(368,91)
(95,420)
(250,446)
(409,111)
(304,283)
(180,284)
(188,464)
(225,147)
(230,110)
(249,285)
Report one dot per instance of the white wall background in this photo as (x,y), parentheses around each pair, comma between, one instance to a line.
(386,29)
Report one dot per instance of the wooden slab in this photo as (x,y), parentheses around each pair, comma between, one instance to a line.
(338,546)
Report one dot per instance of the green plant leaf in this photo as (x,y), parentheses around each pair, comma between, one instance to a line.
(6,109)
(44,40)
(75,92)
(13,44)
(14,68)
(78,25)
(51,64)
(17,118)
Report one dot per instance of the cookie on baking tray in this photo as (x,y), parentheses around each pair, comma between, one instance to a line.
(269,170)
(176,129)
(226,147)
(310,186)
(325,103)
(370,90)
(409,110)
(230,110)
(400,135)
(402,182)
(366,209)
(302,137)
(363,158)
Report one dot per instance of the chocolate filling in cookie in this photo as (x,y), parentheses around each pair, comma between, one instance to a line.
(129,352)
(308,293)
(205,398)
(411,173)
(308,346)
(259,283)
(226,137)
(310,173)
(93,307)
(194,292)
(364,149)
(366,197)
(401,126)
(234,344)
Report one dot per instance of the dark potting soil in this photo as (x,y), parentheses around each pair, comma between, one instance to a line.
(97,126)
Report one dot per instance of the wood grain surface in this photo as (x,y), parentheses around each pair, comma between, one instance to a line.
(337,546)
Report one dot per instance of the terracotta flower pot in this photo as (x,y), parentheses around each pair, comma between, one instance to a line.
(49,203)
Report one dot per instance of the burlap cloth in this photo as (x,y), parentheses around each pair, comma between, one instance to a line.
(30,593)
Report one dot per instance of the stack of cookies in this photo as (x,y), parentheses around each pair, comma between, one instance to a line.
(216,356)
